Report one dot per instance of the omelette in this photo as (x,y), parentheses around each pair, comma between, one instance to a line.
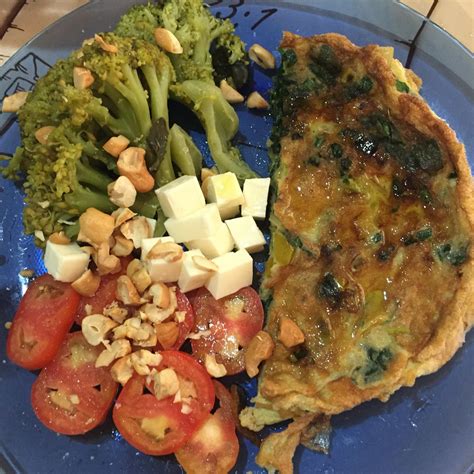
(372,222)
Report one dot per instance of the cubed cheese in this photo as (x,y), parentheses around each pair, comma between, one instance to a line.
(234,271)
(192,276)
(152,224)
(218,244)
(224,190)
(65,262)
(255,197)
(181,197)
(199,225)
(246,234)
(158,268)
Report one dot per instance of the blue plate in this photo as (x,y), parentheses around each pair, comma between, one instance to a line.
(425,429)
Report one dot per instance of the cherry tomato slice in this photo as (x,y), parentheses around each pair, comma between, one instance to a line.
(71,396)
(105,294)
(44,317)
(187,325)
(232,321)
(214,448)
(158,427)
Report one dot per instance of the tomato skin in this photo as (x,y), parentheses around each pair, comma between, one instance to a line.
(44,317)
(72,373)
(187,325)
(105,294)
(133,406)
(214,448)
(228,329)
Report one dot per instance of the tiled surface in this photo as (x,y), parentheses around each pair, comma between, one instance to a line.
(456,16)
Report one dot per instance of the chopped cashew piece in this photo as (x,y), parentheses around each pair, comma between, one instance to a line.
(154,314)
(115,145)
(142,359)
(114,311)
(122,370)
(290,334)
(167,40)
(198,335)
(207,173)
(109,48)
(43,133)
(204,264)
(140,277)
(96,227)
(87,284)
(167,334)
(142,334)
(256,101)
(180,316)
(136,230)
(121,192)
(214,369)
(165,383)
(59,238)
(126,291)
(82,78)
(150,340)
(122,247)
(95,328)
(121,215)
(230,94)
(262,56)
(113,351)
(131,163)
(161,295)
(260,349)
(168,251)
(105,262)
(12,103)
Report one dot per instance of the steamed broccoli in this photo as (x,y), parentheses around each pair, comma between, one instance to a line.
(211,52)
(69,171)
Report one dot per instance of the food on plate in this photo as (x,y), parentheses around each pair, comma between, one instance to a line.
(369,283)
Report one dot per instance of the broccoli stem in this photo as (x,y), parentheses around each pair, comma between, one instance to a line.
(184,152)
(82,198)
(92,177)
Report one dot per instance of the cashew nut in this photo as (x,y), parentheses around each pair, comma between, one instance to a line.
(122,247)
(109,48)
(82,78)
(114,351)
(105,262)
(126,291)
(167,334)
(214,369)
(139,275)
(122,192)
(230,94)
(142,358)
(43,133)
(168,251)
(166,40)
(256,101)
(136,230)
(207,173)
(262,56)
(12,103)
(121,215)
(122,370)
(260,349)
(87,284)
(95,327)
(290,334)
(165,383)
(96,227)
(115,145)
(131,163)
(114,311)
(163,296)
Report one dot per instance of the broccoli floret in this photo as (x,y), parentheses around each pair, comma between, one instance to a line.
(70,171)
(211,51)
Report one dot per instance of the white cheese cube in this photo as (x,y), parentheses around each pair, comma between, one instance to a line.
(246,234)
(65,262)
(218,244)
(192,276)
(256,197)
(224,190)
(158,268)
(181,197)
(200,224)
(152,224)
(234,271)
